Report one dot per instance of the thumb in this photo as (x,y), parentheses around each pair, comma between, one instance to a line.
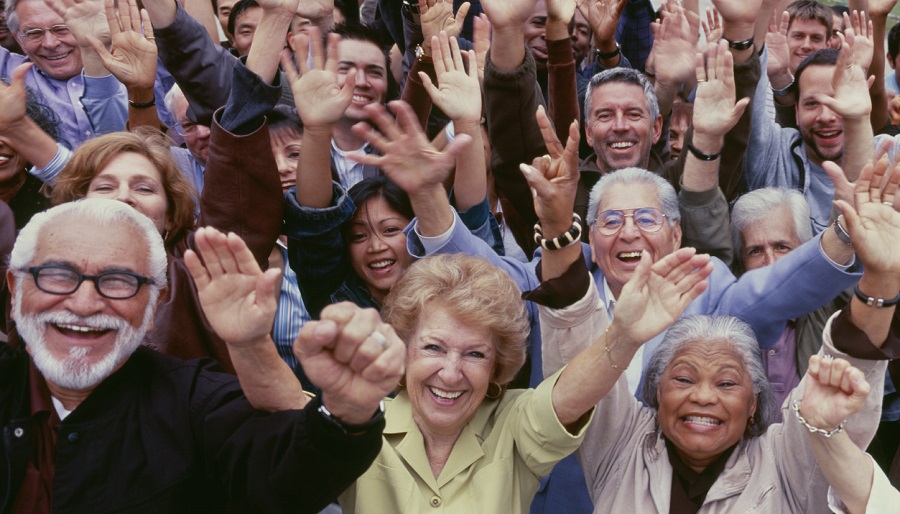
(739,108)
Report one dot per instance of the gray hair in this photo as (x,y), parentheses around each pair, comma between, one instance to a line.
(625,76)
(96,213)
(169,100)
(12,17)
(740,336)
(753,206)
(668,199)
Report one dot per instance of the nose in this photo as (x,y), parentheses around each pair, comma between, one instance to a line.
(284,165)
(362,80)
(629,231)
(124,195)
(769,257)
(703,393)
(827,115)
(807,43)
(202,132)
(85,300)
(451,371)
(376,243)
(620,122)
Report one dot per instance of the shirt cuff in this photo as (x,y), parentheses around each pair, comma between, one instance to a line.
(434,243)
(842,267)
(849,339)
(564,290)
(49,172)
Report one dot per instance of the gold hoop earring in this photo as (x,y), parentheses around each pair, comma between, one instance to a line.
(402,382)
(490,396)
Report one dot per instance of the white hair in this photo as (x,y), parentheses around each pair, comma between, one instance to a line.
(752,207)
(171,95)
(668,199)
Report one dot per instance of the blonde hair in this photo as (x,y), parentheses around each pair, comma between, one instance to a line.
(473,291)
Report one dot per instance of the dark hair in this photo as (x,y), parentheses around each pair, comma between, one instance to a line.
(240,7)
(357,32)
(824,57)
(284,116)
(893,40)
(811,10)
(840,10)
(380,187)
(350,10)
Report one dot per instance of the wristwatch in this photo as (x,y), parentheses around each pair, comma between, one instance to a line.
(347,428)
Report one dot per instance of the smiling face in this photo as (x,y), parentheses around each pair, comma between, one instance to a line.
(245,28)
(581,38)
(618,255)
(377,246)
(223,10)
(448,369)
(769,239)
(821,128)
(78,339)
(805,37)
(286,144)
(12,168)
(705,401)
(58,57)
(131,178)
(367,62)
(620,129)
(535,33)
(196,136)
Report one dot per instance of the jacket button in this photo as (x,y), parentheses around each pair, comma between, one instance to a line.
(72,437)
(435,501)
(18,432)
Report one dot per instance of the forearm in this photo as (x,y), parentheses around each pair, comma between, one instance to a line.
(470,181)
(142,116)
(268,41)
(562,86)
(314,168)
(847,469)
(875,322)
(434,215)
(93,65)
(161,12)
(858,147)
(28,140)
(414,92)
(267,382)
(835,249)
(700,175)
(507,48)
(879,116)
(201,10)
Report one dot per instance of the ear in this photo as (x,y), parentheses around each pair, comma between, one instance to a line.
(11,282)
(588,136)
(676,235)
(890,60)
(657,129)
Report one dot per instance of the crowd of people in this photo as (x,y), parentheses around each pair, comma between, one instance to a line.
(547,256)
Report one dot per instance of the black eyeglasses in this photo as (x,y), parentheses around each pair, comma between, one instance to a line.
(35,35)
(115,285)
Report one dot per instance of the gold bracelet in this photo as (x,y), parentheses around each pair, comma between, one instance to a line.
(608,356)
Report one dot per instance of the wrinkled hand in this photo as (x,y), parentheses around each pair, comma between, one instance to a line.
(84,18)
(777,45)
(673,50)
(603,16)
(320,99)
(12,98)
(715,109)
(658,293)
(561,10)
(874,224)
(553,178)
(834,390)
(481,42)
(437,16)
(851,98)
(238,299)
(508,13)
(859,35)
(458,93)
(712,27)
(407,156)
(353,369)
(132,54)
(312,9)
(738,11)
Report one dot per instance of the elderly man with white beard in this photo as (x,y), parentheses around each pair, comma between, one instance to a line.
(92,421)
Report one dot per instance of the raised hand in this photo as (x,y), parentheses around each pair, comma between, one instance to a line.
(603,16)
(834,390)
(458,93)
(437,16)
(850,99)
(715,109)
(738,11)
(562,10)
(508,14)
(238,299)
(132,54)
(673,49)
(313,9)
(712,27)
(481,42)
(84,18)
(353,357)
(859,35)
(658,293)
(777,45)
(873,223)
(318,95)
(407,156)
(879,8)
(12,98)
(553,178)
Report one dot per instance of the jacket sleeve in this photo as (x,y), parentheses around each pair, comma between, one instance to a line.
(562,88)
(706,223)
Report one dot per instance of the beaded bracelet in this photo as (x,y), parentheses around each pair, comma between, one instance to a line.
(568,238)
(815,430)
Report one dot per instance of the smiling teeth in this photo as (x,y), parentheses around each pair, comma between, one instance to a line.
(623,144)
(357,98)
(700,420)
(57,57)
(79,328)
(381,264)
(630,255)
(445,395)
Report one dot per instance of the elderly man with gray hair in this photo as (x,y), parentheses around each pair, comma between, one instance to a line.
(92,420)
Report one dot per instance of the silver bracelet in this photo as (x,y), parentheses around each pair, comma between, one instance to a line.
(812,429)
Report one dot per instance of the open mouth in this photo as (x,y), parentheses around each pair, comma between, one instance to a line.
(445,395)
(80,331)
(702,421)
(634,256)
(381,265)
(57,57)
(621,145)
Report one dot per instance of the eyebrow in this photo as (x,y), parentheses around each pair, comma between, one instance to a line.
(72,265)
(365,67)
